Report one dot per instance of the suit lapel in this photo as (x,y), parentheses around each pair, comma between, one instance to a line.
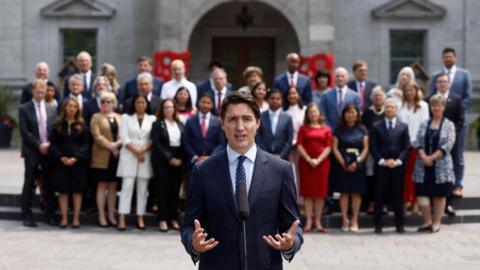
(279,121)
(268,123)
(197,128)
(223,173)
(258,177)
(33,114)
(285,76)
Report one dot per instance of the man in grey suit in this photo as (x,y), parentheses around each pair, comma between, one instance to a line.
(145,88)
(361,84)
(276,128)
(461,86)
(36,119)
(336,98)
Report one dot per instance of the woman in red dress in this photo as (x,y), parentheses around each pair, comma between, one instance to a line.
(314,143)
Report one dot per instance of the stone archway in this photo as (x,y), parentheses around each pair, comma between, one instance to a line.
(266,42)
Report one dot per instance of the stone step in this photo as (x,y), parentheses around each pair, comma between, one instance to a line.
(332,221)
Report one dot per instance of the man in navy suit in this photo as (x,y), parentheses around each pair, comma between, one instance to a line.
(219,90)
(144,64)
(145,88)
(361,85)
(460,85)
(209,84)
(41,71)
(84,64)
(334,100)
(276,128)
(76,86)
(203,134)
(389,144)
(292,78)
(272,226)
(35,123)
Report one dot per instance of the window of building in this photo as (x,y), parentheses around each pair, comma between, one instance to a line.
(406,46)
(77,40)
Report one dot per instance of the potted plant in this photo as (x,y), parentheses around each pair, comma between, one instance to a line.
(7,122)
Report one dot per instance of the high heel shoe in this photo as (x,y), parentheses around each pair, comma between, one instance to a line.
(163,226)
(140,227)
(175,225)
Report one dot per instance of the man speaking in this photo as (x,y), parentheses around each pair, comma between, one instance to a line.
(242,194)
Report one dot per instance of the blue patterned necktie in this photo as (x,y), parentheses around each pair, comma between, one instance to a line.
(240,175)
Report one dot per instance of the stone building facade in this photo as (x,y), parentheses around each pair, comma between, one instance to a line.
(385,33)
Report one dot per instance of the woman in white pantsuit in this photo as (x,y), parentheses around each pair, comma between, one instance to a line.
(134,164)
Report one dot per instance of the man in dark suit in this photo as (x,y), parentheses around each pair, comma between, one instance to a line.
(276,128)
(209,84)
(212,199)
(41,71)
(203,134)
(460,85)
(389,143)
(84,64)
(335,99)
(361,85)
(219,90)
(292,78)
(455,112)
(144,64)
(36,121)
(145,88)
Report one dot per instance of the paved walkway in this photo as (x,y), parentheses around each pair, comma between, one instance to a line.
(11,173)
(455,247)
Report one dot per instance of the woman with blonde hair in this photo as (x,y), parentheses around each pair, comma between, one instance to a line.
(104,127)
(405,76)
(109,71)
(413,112)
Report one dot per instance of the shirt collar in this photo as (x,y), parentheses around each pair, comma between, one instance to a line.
(251,154)
(88,73)
(36,103)
(200,115)
(394,121)
(274,112)
(295,74)
(452,70)
(343,89)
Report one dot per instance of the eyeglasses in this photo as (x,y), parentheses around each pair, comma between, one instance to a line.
(106,101)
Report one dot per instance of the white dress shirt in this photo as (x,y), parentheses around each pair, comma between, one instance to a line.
(343,93)
(450,72)
(169,89)
(174,134)
(414,119)
(79,98)
(295,78)
(274,119)
(381,162)
(248,164)
(223,94)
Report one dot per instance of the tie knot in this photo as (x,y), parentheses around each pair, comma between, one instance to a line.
(204,116)
(241,159)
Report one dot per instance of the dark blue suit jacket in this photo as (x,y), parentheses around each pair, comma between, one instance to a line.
(206,87)
(303,85)
(273,209)
(461,85)
(369,85)
(131,89)
(196,145)
(281,142)
(329,105)
(89,109)
(393,145)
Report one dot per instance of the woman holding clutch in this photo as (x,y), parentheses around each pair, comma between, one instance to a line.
(350,148)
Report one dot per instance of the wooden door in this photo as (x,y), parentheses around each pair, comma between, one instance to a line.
(239,53)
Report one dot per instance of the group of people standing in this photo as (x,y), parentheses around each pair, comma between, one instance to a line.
(400,146)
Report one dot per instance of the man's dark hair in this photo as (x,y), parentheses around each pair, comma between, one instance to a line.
(215,63)
(207,95)
(240,97)
(449,50)
(274,91)
(357,64)
(443,74)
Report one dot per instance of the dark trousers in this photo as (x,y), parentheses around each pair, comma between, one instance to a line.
(36,167)
(458,161)
(389,183)
(167,180)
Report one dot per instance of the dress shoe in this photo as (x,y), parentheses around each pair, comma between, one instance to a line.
(76,226)
(450,211)
(163,227)
(175,225)
(400,229)
(62,226)
(140,227)
(106,225)
(427,228)
(29,223)
(378,230)
(321,230)
(435,230)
